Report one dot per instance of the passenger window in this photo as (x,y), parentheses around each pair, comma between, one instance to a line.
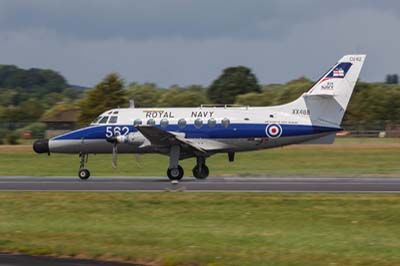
(182,123)
(225,122)
(151,122)
(198,123)
(212,122)
(103,120)
(113,120)
(164,123)
(137,122)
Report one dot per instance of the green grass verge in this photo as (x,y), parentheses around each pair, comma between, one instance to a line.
(343,159)
(205,228)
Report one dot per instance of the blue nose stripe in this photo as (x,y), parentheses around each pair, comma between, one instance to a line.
(217,132)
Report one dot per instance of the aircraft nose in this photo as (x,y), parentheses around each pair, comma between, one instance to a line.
(41,146)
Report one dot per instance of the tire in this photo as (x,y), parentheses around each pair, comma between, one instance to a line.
(175,173)
(202,174)
(84,174)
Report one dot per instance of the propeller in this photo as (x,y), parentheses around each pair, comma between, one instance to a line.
(114,155)
(138,160)
(114,141)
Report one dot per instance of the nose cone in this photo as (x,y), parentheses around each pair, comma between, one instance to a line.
(41,146)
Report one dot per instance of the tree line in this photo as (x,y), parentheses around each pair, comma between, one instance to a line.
(27,96)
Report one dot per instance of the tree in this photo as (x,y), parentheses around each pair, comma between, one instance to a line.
(144,95)
(292,90)
(182,98)
(255,99)
(106,95)
(40,81)
(392,79)
(32,108)
(232,82)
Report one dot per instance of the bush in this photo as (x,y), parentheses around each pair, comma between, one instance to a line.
(3,134)
(37,129)
(12,138)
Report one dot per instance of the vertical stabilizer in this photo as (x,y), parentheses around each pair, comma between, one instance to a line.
(340,80)
(327,100)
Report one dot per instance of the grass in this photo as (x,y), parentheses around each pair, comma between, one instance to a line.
(348,157)
(204,228)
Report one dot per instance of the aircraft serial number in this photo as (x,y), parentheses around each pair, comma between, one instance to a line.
(116,131)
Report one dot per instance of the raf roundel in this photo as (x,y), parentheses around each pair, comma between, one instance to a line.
(273,131)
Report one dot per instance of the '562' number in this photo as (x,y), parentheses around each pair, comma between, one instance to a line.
(116,131)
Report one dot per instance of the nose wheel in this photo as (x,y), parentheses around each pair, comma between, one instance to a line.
(83,173)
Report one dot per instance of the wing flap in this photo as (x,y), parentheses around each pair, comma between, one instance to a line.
(159,137)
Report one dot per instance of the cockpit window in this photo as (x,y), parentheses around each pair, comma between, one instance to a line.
(96,120)
(113,120)
(103,120)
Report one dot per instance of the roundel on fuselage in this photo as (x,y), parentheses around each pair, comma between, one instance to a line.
(273,131)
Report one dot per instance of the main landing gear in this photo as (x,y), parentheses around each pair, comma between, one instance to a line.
(200,170)
(175,171)
(83,173)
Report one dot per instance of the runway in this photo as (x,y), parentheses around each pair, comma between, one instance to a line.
(26,260)
(211,184)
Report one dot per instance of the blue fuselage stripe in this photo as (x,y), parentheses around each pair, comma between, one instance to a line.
(218,132)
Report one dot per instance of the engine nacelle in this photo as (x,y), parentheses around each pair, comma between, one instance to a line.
(135,138)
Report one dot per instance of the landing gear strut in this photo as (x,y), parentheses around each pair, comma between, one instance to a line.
(83,173)
(175,171)
(200,170)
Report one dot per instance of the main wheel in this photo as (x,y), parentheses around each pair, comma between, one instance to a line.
(201,173)
(175,173)
(84,174)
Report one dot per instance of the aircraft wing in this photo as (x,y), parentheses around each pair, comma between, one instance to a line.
(159,137)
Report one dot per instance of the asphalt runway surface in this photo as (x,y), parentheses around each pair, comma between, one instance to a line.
(25,260)
(211,184)
(216,184)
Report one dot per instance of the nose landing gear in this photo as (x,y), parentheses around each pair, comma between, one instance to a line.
(83,173)
(175,171)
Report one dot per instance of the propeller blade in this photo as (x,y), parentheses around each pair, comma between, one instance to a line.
(138,160)
(114,156)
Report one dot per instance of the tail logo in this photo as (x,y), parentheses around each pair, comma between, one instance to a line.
(339,72)
(273,131)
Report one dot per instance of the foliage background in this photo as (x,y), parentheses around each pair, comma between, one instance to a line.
(27,96)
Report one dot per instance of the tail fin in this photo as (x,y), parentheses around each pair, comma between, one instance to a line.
(340,80)
(329,97)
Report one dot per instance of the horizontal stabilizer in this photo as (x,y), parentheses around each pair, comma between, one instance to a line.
(328,139)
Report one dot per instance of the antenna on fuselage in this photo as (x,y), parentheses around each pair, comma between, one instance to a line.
(131,103)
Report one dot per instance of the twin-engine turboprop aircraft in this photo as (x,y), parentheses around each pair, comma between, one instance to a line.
(180,133)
